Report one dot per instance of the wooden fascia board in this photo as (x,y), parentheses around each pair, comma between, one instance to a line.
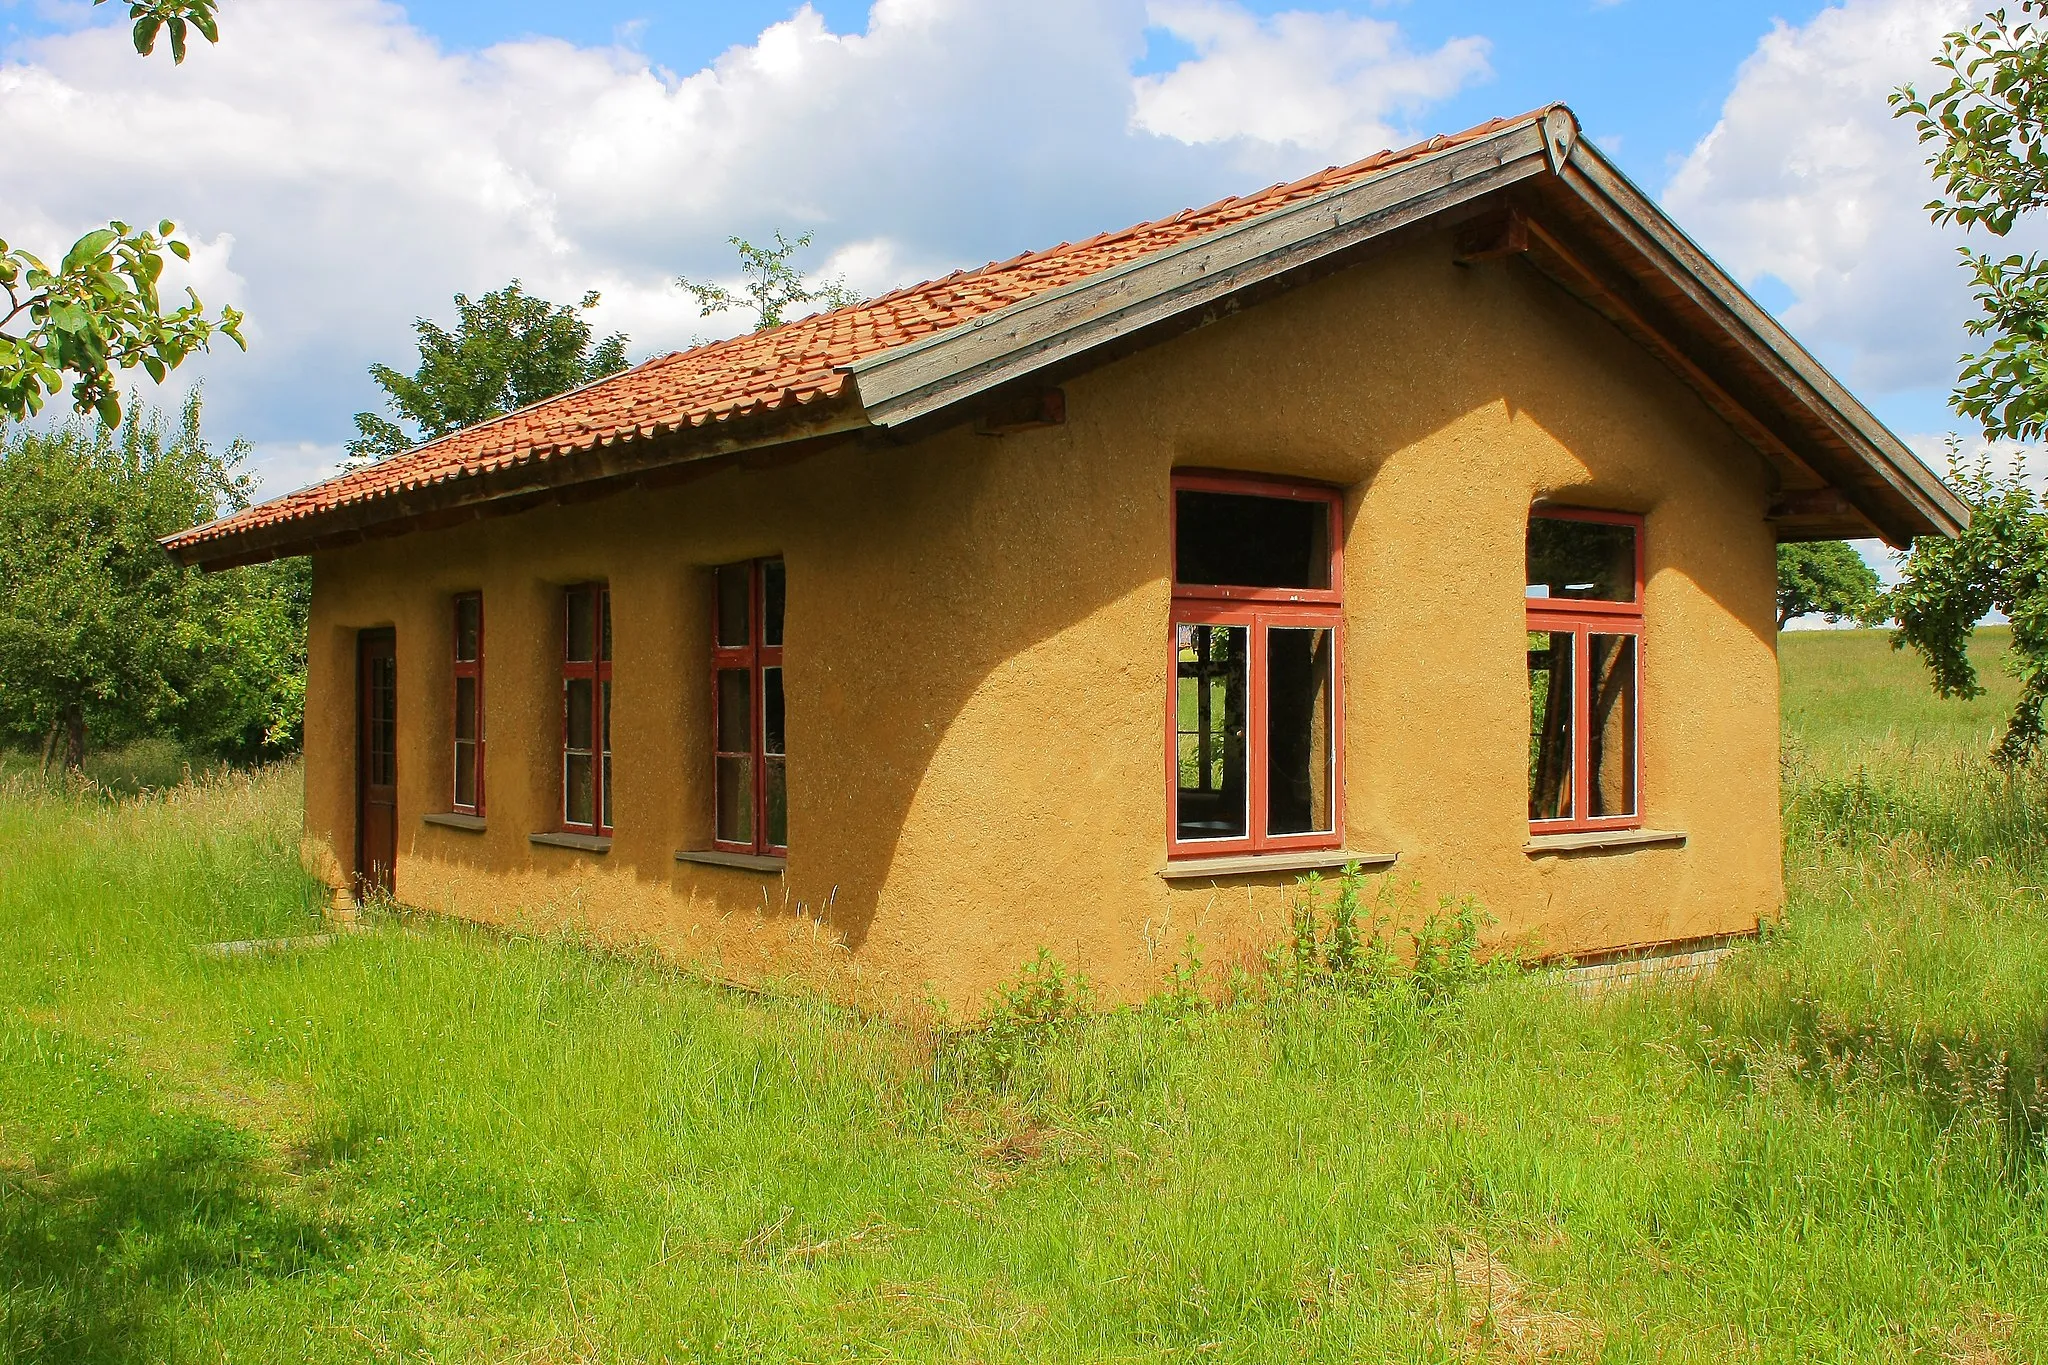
(1632,216)
(909,382)
(591,472)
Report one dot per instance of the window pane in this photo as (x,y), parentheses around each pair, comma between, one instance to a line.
(469,622)
(736,800)
(604,630)
(732,603)
(772,590)
(1582,560)
(383,722)
(578,805)
(581,625)
(778,803)
(465,773)
(1239,540)
(465,708)
(605,791)
(1550,725)
(576,728)
(735,712)
(1299,743)
(1212,685)
(771,710)
(1611,727)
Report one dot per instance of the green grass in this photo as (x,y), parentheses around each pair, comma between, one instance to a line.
(427,1142)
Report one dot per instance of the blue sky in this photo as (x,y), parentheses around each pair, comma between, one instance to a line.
(346,166)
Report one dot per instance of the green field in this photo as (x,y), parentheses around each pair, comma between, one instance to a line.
(429,1143)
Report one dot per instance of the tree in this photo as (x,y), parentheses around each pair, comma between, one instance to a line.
(99,310)
(102,634)
(508,349)
(773,286)
(1828,577)
(1987,127)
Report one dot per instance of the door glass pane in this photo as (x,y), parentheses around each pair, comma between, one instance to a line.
(732,603)
(469,621)
(579,805)
(736,800)
(1611,726)
(778,803)
(383,721)
(1243,540)
(576,732)
(772,589)
(582,625)
(1300,748)
(465,773)
(771,710)
(1211,690)
(735,712)
(1583,560)
(1550,725)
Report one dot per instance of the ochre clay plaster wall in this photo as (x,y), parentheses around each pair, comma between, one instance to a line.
(976,664)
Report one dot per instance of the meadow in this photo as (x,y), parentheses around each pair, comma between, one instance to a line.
(425,1142)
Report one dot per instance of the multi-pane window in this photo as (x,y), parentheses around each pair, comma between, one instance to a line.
(750,775)
(587,709)
(469,703)
(1584,599)
(1254,724)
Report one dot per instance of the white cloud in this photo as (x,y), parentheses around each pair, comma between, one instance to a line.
(1808,179)
(1331,83)
(342,173)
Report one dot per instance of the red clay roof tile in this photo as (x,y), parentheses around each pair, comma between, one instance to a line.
(792,365)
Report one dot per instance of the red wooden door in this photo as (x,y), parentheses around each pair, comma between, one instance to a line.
(376,761)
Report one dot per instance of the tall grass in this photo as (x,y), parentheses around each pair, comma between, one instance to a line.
(429,1142)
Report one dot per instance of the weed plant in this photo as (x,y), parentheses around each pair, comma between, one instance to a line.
(428,1142)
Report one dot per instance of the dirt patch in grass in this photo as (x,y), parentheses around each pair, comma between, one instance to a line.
(1491,1312)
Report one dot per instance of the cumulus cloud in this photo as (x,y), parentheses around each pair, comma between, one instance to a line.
(1807,180)
(1331,83)
(343,173)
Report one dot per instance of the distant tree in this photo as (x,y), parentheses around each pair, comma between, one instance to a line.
(1826,577)
(103,635)
(508,349)
(99,310)
(773,289)
(1987,127)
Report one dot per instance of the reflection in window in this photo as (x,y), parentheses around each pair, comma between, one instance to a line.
(1300,752)
(1550,725)
(1611,733)
(1212,664)
(1586,561)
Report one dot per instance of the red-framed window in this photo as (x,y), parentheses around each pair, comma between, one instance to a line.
(1254,717)
(750,766)
(1584,599)
(468,699)
(587,709)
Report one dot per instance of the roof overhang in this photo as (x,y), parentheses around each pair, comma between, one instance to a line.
(1532,189)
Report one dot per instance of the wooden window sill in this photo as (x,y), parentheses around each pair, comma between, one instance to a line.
(1594,840)
(451,819)
(751,862)
(1257,864)
(588,843)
